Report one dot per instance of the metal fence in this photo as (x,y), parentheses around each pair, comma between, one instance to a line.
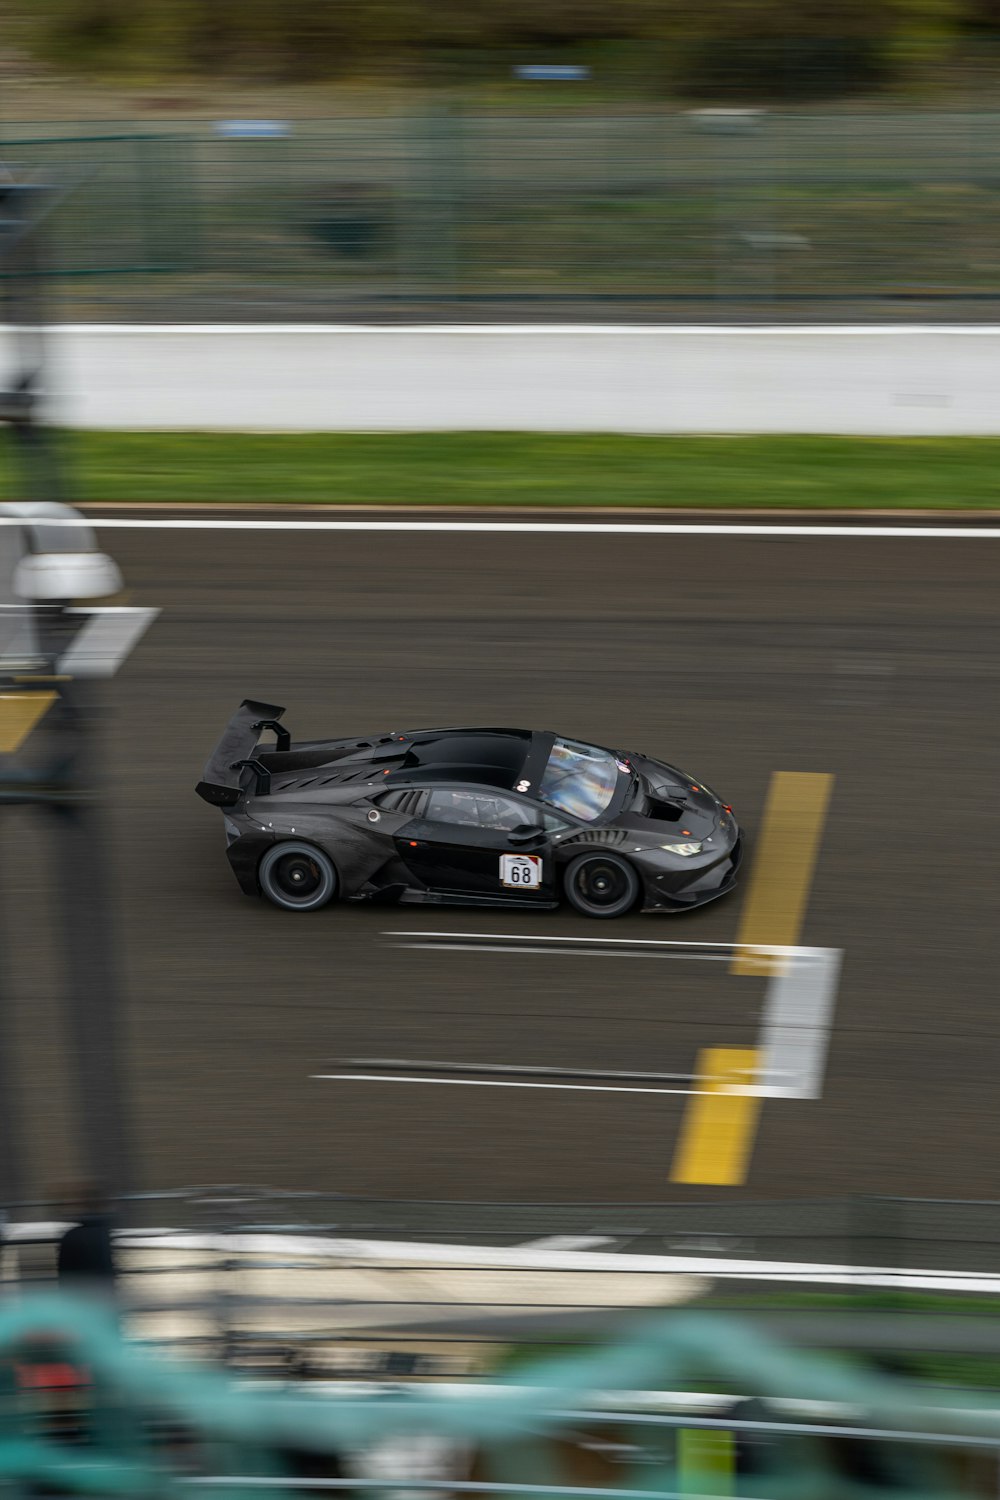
(902,1234)
(659,214)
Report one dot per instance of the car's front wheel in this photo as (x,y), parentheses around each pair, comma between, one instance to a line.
(601,885)
(298,877)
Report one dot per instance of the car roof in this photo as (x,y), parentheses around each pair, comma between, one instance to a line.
(486,757)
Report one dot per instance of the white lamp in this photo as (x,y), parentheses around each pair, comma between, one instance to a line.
(62,560)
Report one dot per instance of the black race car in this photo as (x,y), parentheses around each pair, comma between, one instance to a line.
(465,817)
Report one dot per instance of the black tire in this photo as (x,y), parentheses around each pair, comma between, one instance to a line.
(601,885)
(298,877)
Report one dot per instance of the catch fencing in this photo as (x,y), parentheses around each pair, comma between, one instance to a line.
(659,214)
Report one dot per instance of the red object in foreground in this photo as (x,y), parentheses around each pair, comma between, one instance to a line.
(58,1376)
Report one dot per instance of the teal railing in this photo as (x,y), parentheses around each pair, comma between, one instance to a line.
(139,1411)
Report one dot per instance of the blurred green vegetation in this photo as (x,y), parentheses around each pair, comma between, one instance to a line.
(529,469)
(936,1367)
(798,48)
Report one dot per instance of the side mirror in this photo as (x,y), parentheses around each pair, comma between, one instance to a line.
(525,833)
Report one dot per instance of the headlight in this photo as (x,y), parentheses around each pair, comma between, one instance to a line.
(682,848)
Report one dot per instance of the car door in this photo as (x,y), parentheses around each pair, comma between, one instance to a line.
(471,841)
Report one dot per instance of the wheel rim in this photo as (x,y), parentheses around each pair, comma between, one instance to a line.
(602,884)
(297,876)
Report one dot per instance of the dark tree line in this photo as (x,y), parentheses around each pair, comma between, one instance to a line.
(829,44)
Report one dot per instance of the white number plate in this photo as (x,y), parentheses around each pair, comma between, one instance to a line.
(522,871)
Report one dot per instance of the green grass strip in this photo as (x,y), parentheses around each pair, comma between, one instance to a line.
(525,469)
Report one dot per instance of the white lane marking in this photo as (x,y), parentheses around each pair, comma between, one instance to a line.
(772,950)
(798,1017)
(567,950)
(493,1083)
(561,947)
(575,528)
(104,640)
(781,331)
(409,1064)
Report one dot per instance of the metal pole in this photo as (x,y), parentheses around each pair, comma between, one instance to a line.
(83,900)
(93,991)
(13,642)
(12,1178)
(12,1174)
(82,886)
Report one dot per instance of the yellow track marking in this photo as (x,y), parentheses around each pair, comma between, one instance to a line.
(719,1125)
(783,865)
(19,713)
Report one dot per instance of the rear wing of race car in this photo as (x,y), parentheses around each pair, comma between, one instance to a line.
(222,779)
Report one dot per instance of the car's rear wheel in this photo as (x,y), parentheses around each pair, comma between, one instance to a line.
(601,885)
(298,877)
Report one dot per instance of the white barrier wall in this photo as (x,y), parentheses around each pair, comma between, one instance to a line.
(877,380)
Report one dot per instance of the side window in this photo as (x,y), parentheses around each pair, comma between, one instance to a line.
(479,809)
(447,805)
(553,824)
(505,814)
(408,800)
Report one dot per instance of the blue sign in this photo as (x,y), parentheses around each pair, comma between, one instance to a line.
(253,129)
(552,72)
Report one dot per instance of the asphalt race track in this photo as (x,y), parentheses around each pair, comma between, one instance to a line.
(875,660)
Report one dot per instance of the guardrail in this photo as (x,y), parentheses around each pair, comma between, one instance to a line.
(951,1234)
(322,1284)
(961,1235)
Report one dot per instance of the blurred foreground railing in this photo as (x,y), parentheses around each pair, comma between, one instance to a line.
(140,1425)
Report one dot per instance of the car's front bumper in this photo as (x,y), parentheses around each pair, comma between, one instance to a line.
(669,890)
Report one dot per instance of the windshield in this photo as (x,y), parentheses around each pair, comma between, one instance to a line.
(579,779)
